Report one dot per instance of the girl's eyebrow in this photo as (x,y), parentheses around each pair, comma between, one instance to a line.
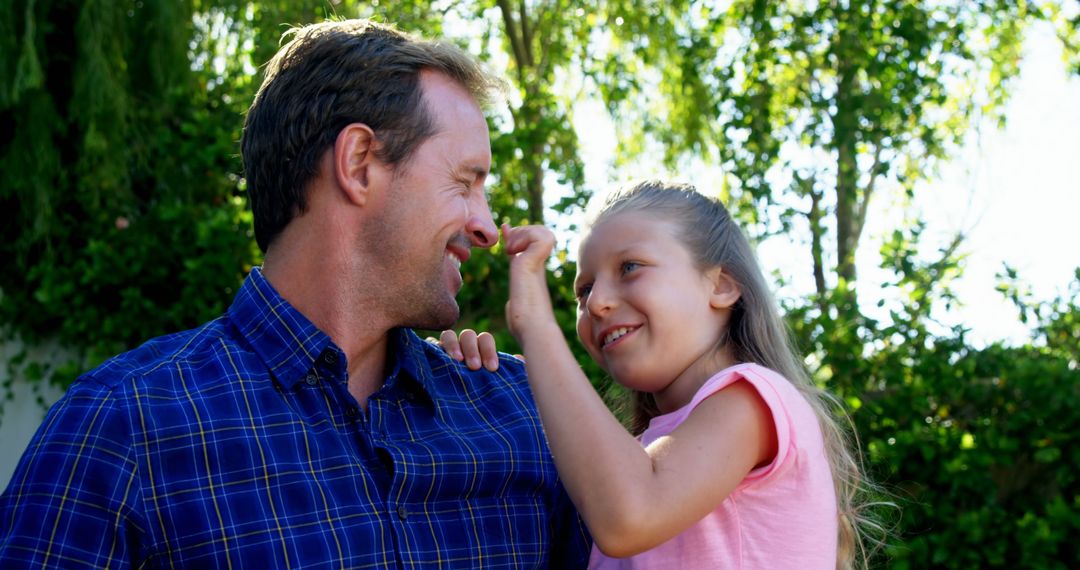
(631,248)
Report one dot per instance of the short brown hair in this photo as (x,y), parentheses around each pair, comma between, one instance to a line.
(330,75)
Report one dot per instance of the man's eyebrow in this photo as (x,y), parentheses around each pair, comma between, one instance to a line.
(478,172)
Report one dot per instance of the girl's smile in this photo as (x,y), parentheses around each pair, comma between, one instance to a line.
(614,335)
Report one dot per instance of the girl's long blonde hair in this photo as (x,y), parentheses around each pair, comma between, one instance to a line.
(756,333)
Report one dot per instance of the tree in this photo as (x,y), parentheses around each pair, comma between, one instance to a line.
(813,109)
(122,146)
(123,177)
(1067,22)
(810,109)
(125,209)
(124,212)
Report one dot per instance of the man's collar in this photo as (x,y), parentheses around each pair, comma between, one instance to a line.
(283,337)
(289,343)
(410,359)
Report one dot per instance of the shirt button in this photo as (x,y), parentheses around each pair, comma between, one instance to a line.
(311,379)
(402,512)
(352,412)
(329,357)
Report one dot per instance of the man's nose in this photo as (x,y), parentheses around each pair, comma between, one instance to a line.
(481,227)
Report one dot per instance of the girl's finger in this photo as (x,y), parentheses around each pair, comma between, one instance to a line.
(534,241)
(470,348)
(449,342)
(488,353)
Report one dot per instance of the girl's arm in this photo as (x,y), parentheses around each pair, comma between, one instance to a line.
(631,498)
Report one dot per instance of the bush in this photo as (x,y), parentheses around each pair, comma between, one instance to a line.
(124,209)
(974,445)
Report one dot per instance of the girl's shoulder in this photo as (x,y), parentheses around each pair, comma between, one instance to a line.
(765,380)
(758,376)
(793,419)
(790,410)
(781,395)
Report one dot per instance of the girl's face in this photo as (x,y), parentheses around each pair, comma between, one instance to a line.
(646,313)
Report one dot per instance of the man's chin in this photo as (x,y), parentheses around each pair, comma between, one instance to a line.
(441,318)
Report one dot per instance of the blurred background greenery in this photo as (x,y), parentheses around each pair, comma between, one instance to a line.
(124,214)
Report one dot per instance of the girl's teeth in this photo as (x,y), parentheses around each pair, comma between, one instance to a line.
(614,335)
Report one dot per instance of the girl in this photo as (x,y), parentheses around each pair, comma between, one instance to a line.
(737,462)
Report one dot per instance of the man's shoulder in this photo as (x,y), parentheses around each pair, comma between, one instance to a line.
(159,357)
(513,368)
(452,377)
(510,374)
(510,368)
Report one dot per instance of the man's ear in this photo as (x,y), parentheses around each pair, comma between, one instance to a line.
(725,290)
(355,167)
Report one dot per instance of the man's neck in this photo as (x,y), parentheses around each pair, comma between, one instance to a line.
(367,371)
(356,325)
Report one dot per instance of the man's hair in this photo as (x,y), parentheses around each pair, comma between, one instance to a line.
(330,75)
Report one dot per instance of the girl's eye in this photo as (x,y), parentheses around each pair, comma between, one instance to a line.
(628,266)
(583,291)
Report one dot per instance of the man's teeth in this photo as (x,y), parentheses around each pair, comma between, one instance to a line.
(615,334)
(454,260)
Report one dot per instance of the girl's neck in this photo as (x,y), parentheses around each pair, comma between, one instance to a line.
(681,390)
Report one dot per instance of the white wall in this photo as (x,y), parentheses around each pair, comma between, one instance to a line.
(22,415)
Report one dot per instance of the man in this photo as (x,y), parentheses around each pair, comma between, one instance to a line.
(306,427)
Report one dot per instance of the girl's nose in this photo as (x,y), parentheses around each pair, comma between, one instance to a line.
(600,300)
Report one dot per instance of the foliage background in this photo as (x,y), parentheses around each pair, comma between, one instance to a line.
(125,215)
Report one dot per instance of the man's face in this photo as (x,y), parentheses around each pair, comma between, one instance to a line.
(435,211)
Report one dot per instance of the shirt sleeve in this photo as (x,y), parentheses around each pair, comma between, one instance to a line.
(768,386)
(571,543)
(73,500)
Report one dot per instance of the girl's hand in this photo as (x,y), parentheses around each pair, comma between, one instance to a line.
(474,349)
(529,307)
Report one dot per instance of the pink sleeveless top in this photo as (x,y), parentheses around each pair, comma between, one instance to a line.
(782,515)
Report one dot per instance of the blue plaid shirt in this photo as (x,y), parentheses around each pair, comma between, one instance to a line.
(237,445)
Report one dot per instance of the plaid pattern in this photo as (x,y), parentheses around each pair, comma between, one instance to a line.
(237,445)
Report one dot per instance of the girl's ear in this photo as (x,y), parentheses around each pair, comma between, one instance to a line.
(356,168)
(725,290)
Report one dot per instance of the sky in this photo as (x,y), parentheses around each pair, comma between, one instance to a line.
(1015,193)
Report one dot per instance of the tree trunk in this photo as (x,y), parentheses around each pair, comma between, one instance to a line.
(816,236)
(845,129)
(535,179)
(520,35)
